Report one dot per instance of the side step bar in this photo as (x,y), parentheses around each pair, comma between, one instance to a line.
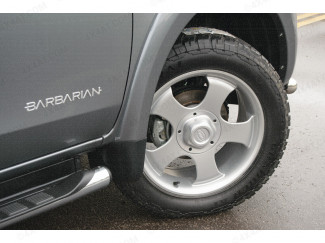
(51,196)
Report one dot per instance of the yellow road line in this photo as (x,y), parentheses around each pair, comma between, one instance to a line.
(305,15)
(310,20)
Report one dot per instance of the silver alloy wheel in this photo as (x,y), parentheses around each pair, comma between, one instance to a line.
(199,131)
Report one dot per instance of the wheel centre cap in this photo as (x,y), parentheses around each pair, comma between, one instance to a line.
(198,132)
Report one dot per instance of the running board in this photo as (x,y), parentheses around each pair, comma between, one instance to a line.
(49,197)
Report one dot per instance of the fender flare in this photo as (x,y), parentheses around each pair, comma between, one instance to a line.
(125,143)
(124,152)
(132,121)
(131,124)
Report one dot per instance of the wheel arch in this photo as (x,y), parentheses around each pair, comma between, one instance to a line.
(131,126)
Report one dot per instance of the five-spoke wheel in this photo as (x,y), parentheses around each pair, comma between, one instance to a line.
(197,133)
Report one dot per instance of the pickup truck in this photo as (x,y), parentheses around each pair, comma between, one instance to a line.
(188,113)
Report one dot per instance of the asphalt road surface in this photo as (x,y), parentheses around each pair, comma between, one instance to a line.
(294,197)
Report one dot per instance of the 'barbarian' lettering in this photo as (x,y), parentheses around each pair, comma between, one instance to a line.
(62,99)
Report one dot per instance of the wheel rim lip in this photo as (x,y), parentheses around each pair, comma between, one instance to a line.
(163,181)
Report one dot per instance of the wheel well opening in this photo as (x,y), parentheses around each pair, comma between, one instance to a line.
(262,31)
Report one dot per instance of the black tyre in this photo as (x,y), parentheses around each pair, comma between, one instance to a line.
(209,73)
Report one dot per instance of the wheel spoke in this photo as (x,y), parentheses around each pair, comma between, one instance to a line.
(168,108)
(206,167)
(165,154)
(216,95)
(237,132)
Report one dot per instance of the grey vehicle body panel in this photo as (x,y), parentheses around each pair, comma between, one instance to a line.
(44,55)
(110,118)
